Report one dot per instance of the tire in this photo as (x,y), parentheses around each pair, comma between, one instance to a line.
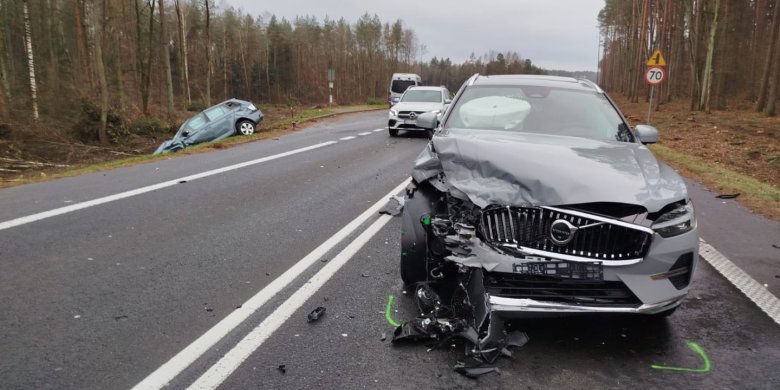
(429,133)
(393,132)
(245,127)
(414,242)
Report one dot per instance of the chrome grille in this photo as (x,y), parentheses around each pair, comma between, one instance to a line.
(598,238)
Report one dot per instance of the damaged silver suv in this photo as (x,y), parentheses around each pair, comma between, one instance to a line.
(535,196)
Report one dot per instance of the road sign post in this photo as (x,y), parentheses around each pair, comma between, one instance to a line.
(654,75)
(331,79)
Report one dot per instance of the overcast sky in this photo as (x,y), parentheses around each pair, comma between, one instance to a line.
(554,34)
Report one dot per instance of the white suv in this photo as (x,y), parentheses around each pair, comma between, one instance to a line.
(416,101)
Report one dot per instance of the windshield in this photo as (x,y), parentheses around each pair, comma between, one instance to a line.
(534,109)
(422,96)
(399,86)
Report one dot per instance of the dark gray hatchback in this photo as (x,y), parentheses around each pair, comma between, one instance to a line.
(215,123)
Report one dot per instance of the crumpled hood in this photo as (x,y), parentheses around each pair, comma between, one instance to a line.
(524,169)
(417,106)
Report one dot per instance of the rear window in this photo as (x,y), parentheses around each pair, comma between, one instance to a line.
(400,86)
(422,96)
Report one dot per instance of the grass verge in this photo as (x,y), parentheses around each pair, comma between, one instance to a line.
(758,196)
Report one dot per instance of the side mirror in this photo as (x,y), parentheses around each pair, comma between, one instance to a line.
(647,134)
(428,120)
(447,101)
(185,133)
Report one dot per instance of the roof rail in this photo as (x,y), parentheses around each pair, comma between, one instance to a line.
(473,78)
(591,84)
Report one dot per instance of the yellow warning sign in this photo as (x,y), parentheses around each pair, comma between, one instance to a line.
(657,59)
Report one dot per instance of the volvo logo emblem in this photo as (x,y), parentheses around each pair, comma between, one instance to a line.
(562,232)
(413,115)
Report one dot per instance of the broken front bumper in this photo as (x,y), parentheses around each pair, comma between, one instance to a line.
(657,283)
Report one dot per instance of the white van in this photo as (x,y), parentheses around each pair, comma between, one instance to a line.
(398,84)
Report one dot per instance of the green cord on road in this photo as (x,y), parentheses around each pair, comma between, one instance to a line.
(696,348)
(388,313)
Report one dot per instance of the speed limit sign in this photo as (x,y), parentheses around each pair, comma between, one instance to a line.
(655,75)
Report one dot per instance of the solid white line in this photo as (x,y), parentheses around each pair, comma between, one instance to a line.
(378,130)
(741,280)
(233,359)
(365,133)
(160,377)
(122,195)
(348,138)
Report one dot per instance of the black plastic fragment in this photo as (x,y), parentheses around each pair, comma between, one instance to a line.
(474,372)
(728,196)
(316,314)
(394,206)
(282,368)
(427,299)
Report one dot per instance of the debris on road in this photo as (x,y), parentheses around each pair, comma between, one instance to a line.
(282,368)
(316,314)
(384,336)
(728,196)
(394,206)
(474,372)
(467,317)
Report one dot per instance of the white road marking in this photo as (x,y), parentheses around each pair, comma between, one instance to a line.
(178,363)
(365,133)
(757,293)
(221,370)
(348,138)
(138,191)
(378,130)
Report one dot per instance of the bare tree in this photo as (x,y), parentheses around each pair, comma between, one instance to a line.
(101,74)
(30,61)
(763,87)
(165,53)
(208,54)
(706,93)
(183,52)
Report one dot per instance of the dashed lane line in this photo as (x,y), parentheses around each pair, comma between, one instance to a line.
(138,191)
(347,138)
(364,133)
(754,290)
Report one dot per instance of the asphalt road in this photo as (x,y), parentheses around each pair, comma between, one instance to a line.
(104,296)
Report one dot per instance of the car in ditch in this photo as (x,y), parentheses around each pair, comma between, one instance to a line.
(415,101)
(535,196)
(231,117)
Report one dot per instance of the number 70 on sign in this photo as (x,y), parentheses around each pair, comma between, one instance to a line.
(655,75)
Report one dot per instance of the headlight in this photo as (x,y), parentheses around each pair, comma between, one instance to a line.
(393,113)
(251,107)
(677,221)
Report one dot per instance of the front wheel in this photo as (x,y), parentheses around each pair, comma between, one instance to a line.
(245,127)
(393,132)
